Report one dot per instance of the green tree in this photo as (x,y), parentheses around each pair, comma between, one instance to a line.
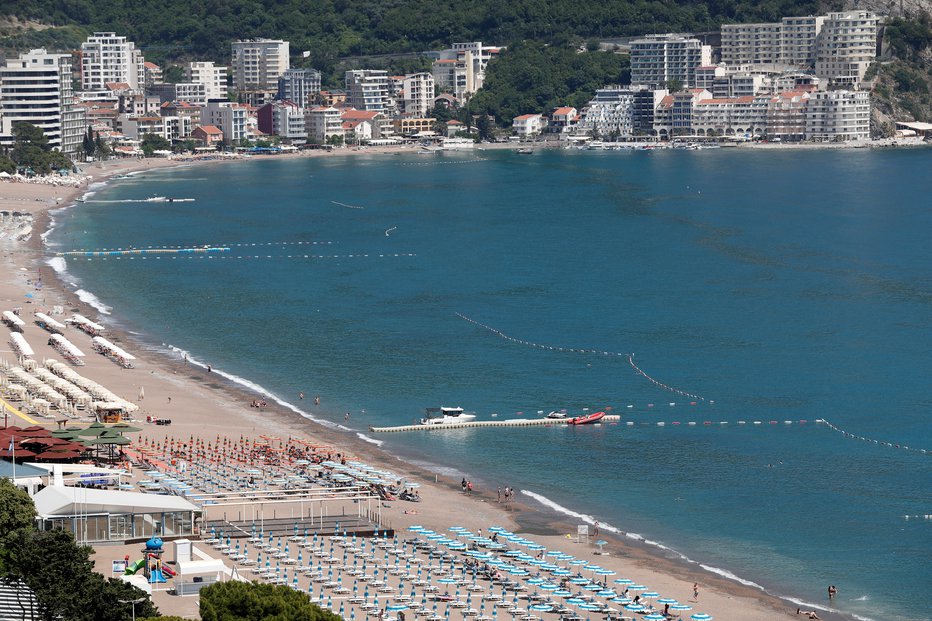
(251,601)
(152,143)
(87,144)
(485,128)
(31,149)
(100,147)
(17,515)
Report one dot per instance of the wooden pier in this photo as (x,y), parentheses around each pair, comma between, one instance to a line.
(512,422)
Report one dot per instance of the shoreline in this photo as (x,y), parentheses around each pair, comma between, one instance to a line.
(224,393)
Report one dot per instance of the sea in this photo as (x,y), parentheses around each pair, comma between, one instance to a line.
(761,320)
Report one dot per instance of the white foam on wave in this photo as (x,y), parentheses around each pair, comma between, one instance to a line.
(89,298)
(251,386)
(444,471)
(368,439)
(727,574)
(58,265)
(588,519)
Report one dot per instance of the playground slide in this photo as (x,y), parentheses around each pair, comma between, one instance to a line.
(168,570)
(133,568)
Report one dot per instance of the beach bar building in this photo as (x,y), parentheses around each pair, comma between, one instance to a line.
(103,515)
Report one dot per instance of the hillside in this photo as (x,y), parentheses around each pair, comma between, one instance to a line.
(332,29)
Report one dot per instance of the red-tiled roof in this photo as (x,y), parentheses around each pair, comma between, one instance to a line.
(564,111)
(359,115)
(525,117)
(150,65)
(210,129)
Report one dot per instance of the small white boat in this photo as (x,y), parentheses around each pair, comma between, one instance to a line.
(557,414)
(446,416)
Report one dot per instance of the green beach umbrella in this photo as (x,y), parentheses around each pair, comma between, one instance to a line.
(93,430)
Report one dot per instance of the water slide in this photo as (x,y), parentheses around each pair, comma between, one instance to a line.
(132,569)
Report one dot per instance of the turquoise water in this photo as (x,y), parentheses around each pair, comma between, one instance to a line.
(777,286)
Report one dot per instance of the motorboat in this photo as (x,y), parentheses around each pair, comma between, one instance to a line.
(586,419)
(558,414)
(446,416)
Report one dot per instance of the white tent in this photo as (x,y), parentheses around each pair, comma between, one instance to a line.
(20,345)
(11,318)
(65,346)
(60,501)
(50,324)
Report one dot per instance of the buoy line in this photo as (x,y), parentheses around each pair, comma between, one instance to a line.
(577,350)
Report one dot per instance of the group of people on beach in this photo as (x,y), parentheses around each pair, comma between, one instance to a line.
(259,403)
(506,494)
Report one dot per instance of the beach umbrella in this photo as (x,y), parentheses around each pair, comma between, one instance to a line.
(666,600)
(624,581)
(621,600)
(590,607)
(701,616)
(680,607)
(635,607)
(541,607)
(650,594)
(656,616)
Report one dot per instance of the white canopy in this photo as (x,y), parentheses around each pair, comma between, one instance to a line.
(81,319)
(110,347)
(11,317)
(48,321)
(65,501)
(20,345)
(65,346)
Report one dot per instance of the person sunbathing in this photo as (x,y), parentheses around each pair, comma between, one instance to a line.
(809,614)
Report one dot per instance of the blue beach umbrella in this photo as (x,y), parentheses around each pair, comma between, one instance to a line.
(635,607)
(701,616)
(656,616)
(541,607)
(666,600)
(680,607)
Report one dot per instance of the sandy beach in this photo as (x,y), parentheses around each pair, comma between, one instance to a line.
(201,403)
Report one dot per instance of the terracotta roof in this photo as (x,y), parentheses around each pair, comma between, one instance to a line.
(454,122)
(360,115)
(113,86)
(210,129)
(564,110)
(150,65)
(525,117)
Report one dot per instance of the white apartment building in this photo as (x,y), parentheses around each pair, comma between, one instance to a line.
(37,88)
(299,86)
(213,77)
(282,118)
(106,57)
(322,123)
(230,117)
(258,63)
(847,46)
(659,59)
(461,69)
(735,117)
(529,125)
(368,89)
(417,95)
(171,128)
(833,116)
(791,42)
(190,92)
(786,116)
(610,113)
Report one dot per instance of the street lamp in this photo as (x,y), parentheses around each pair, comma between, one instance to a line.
(133,602)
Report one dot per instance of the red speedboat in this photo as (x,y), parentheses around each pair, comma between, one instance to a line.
(588,419)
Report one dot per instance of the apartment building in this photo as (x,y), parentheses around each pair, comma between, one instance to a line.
(417,94)
(257,64)
(786,116)
(284,119)
(323,122)
(847,46)
(190,92)
(461,68)
(299,86)
(622,111)
(213,77)
(230,117)
(37,88)
(105,57)
(791,42)
(368,89)
(842,115)
(661,59)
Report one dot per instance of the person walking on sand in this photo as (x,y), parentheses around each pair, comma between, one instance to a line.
(695,591)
